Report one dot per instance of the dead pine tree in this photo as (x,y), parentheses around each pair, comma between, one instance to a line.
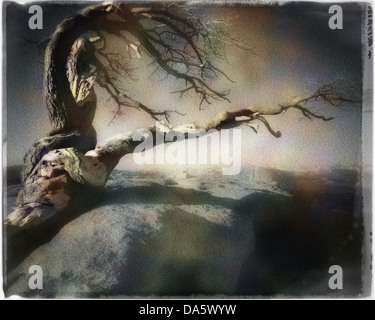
(67,168)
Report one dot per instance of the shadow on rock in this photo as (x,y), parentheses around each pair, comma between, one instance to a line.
(165,240)
(20,241)
(161,194)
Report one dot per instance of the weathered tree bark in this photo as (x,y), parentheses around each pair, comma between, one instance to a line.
(65,172)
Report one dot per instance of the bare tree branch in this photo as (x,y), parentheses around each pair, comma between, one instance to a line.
(125,144)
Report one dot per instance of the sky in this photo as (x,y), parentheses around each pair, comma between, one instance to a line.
(293,52)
